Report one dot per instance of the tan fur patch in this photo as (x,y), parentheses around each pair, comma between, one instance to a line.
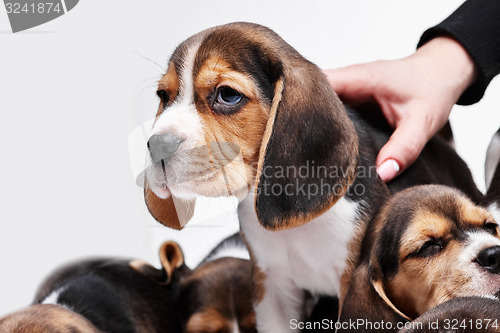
(210,320)
(244,128)
(472,214)
(422,283)
(145,268)
(46,318)
(216,72)
(425,225)
(170,83)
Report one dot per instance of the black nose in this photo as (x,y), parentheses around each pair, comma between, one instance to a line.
(490,259)
(163,147)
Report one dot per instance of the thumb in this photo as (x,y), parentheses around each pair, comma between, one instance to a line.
(402,149)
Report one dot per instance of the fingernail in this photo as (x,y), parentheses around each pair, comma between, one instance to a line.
(388,170)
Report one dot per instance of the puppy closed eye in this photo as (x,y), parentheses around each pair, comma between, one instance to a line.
(429,248)
(491,227)
(227,100)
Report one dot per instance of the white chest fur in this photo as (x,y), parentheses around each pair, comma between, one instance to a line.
(311,257)
(494,209)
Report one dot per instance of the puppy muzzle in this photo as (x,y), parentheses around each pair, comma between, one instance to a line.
(163,146)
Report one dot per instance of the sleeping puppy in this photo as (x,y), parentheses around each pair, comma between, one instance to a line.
(105,295)
(460,315)
(242,113)
(111,295)
(428,244)
(216,296)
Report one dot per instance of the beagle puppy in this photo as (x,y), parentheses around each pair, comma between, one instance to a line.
(105,295)
(460,315)
(111,295)
(427,245)
(216,296)
(242,113)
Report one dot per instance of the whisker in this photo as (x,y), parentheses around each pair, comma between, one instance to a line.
(154,62)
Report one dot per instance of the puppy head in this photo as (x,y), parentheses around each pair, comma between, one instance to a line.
(217,298)
(433,244)
(241,109)
(46,318)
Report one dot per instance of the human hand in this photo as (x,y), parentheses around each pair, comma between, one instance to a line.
(415,93)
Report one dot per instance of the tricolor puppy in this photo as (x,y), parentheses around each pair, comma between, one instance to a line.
(105,295)
(216,297)
(460,315)
(111,295)
(243,113)
(427,245)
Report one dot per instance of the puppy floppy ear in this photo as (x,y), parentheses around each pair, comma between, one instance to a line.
(309,150)
(171,212)
(378,286)
(366,299)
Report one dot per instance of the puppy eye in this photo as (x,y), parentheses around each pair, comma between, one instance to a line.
(163,96)
(228,96)
(226,100)
(430,248)
(491,227)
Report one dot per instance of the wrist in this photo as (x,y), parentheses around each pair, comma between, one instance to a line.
(450,65)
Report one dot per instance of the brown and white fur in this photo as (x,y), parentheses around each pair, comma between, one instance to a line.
(429,244)
(237,105)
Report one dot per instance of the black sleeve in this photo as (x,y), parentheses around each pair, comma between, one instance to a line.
(476,26)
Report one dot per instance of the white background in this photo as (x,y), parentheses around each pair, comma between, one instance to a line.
(74,89)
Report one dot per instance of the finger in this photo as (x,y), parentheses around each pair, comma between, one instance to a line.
(402,149)
(353,84)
